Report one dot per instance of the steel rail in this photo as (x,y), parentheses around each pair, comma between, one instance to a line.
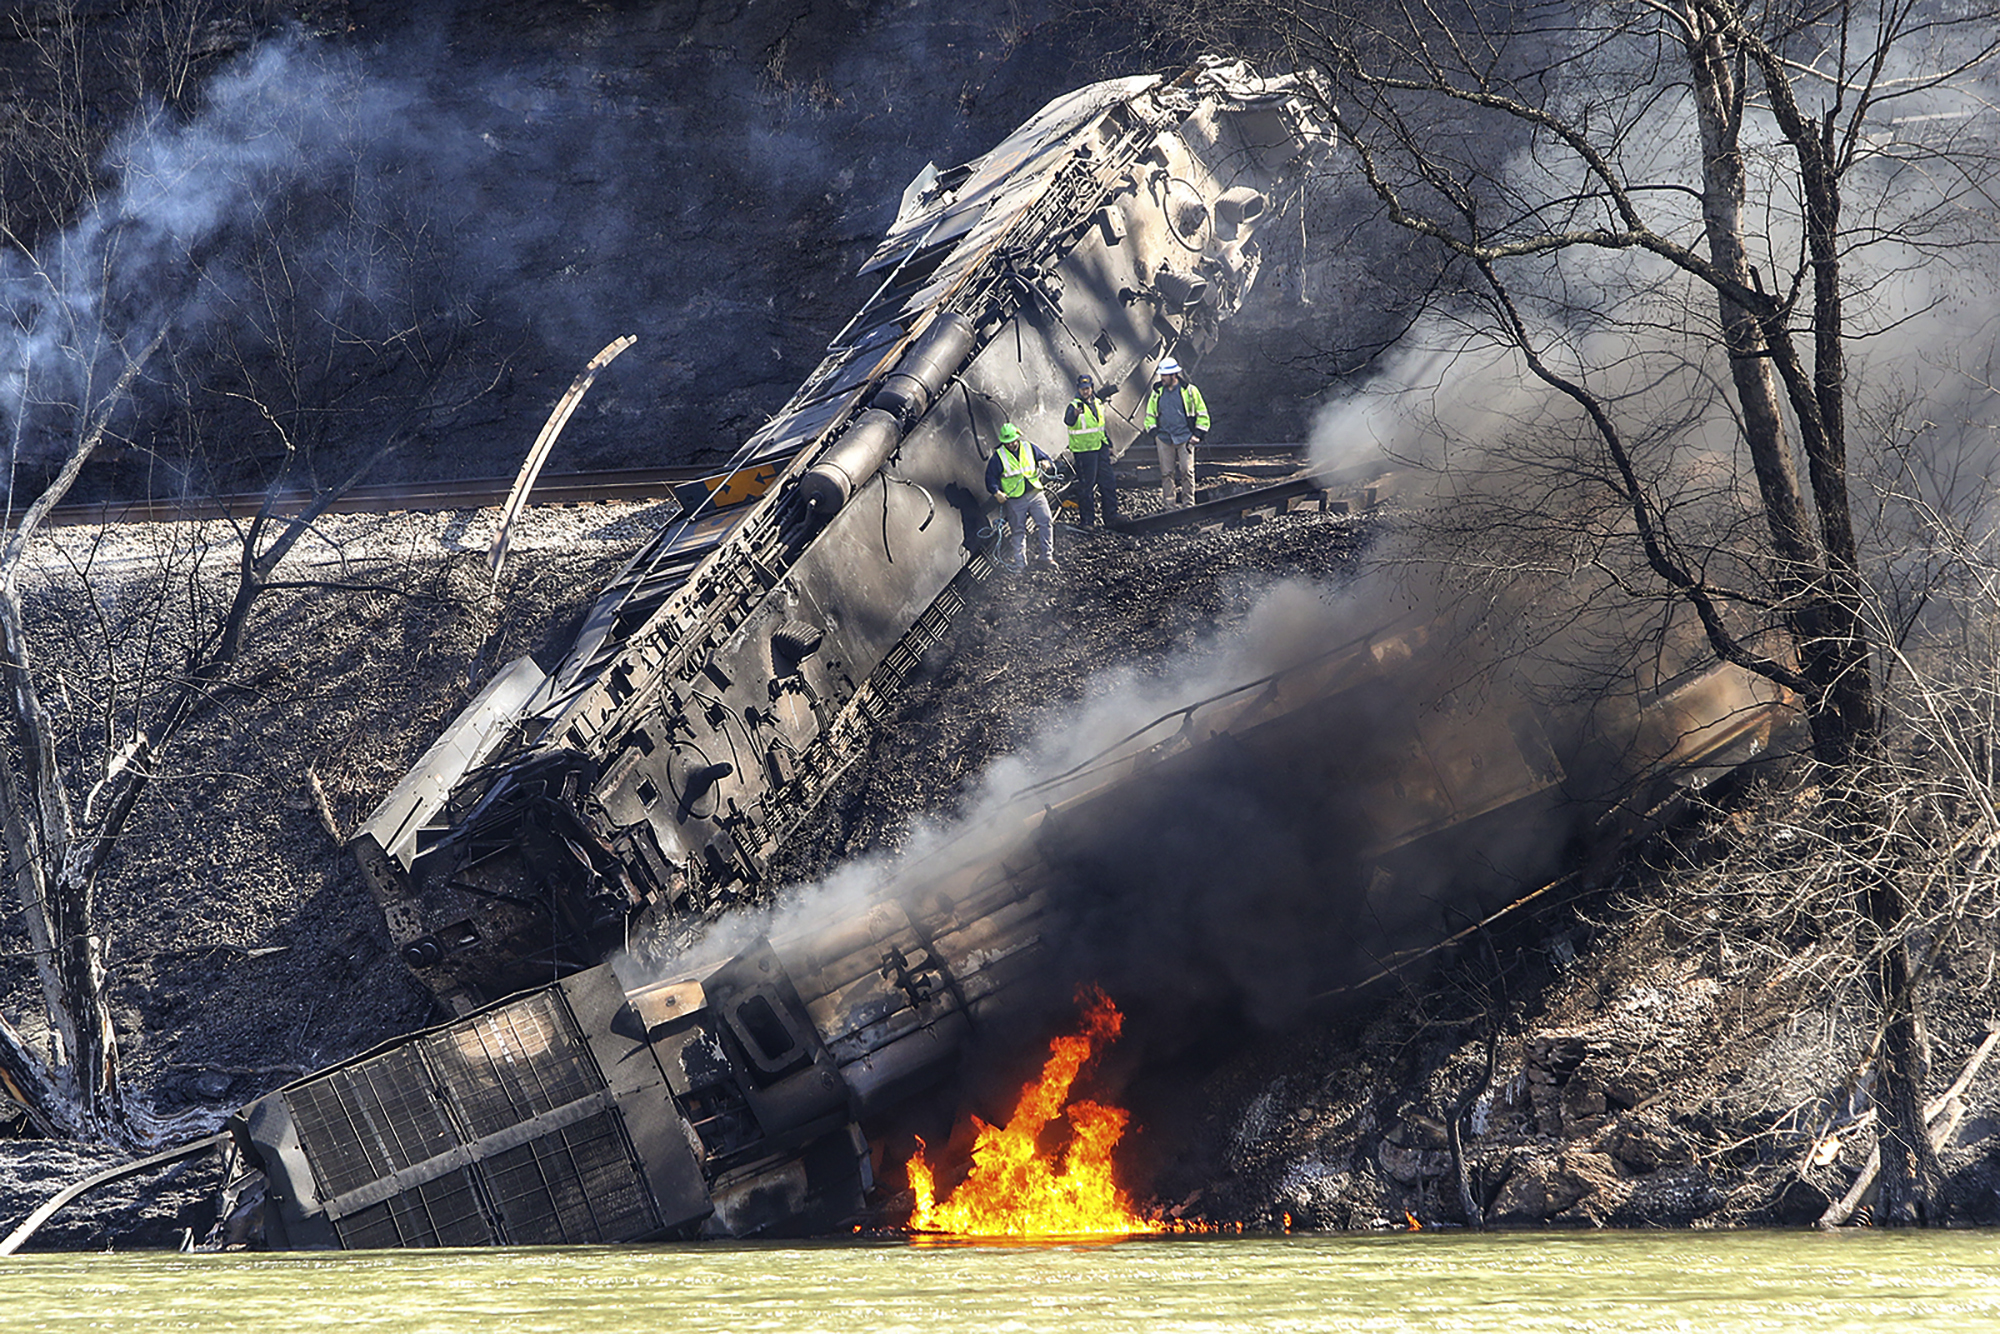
(577,488)
(469,493)
(30,1225)
(1283,497)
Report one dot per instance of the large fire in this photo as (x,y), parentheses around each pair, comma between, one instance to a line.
(1015,1189)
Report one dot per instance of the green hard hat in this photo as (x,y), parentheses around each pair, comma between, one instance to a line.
(1009,433)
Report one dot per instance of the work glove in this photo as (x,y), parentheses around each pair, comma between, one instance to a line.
(1195,439)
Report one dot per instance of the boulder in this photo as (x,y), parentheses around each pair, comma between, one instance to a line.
(1645,1144)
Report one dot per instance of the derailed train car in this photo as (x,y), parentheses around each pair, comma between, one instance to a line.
(751,1095)
(727,675)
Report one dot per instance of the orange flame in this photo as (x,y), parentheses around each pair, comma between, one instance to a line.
(1014,1189)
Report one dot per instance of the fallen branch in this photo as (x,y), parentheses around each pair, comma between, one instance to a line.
(324,805)
(1843,1209)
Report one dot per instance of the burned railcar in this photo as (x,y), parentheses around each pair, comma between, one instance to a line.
(725,677)
(733,1102)
(752,1095)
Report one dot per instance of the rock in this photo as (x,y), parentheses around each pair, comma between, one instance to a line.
(1582,1100)
(1413,1166)
(1546,1101)
(1557,1056)
(1419,1131)
(1629,1089)
(1525,1198)
(1801,1203)
(1645,1145)
(1577,1187)
(1599,1189)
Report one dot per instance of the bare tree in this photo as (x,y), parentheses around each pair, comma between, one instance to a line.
(293,306)
(1678,217)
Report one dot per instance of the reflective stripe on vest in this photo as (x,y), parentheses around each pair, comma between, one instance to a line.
(1088,433)
(1017,473)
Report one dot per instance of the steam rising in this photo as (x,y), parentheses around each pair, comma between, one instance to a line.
(155,251)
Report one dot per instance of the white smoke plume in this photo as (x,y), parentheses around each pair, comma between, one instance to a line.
(151,250)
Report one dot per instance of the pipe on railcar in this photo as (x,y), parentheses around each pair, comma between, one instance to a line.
(905,395)
(913,386)
(850,461)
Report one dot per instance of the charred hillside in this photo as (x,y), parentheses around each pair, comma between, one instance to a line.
(1653,1050)
(519,184)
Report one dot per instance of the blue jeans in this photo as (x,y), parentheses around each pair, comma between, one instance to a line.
(1018,510)
(1093,479)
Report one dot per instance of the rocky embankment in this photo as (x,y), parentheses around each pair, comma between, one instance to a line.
(242,947)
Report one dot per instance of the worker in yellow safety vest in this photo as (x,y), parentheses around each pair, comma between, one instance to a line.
(1178,419)
(1014,478)
(1085,418)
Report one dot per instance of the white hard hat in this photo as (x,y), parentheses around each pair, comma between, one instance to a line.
(1169,367)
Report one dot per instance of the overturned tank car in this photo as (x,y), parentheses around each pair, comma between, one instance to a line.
(752,1089)
(724,678)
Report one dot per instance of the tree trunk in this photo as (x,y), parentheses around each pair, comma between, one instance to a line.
(1909,1165)
(55,885)
(1816,574)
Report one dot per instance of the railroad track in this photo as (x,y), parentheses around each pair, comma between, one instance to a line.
(473,493)
(1292,494)
(577,488)
(1246,494)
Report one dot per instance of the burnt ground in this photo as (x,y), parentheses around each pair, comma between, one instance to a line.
(242,945)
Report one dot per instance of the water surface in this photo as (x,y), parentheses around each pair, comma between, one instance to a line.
(1769,1282)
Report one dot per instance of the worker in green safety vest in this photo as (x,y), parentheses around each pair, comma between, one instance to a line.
(1014,478)
(1085,418)
(1177,418)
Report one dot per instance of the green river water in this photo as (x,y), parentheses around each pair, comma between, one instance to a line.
(1767,1282)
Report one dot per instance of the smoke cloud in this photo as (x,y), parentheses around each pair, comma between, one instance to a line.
(1240,880)
(1229,879)
(157,251)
